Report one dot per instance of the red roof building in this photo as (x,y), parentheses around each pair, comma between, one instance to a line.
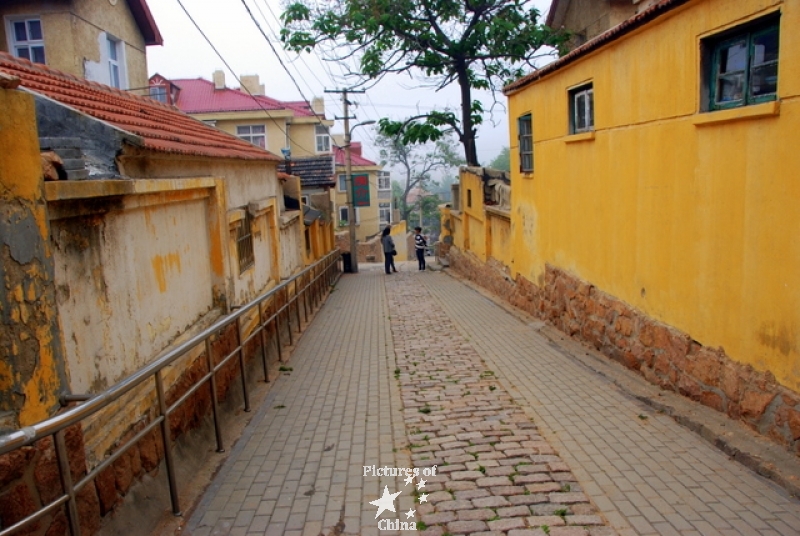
(160,127)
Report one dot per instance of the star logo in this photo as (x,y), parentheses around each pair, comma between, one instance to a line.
(423,498)
(421,484)
(409,480)
(386,502)
(410,513)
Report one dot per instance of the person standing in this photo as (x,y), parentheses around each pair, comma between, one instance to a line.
(419,245)
(388,250)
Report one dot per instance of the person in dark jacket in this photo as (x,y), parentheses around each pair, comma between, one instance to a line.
(419,245)
(388,250)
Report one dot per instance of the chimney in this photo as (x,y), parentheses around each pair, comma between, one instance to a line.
(318,105)
(251,84)
(355,148)
(219,79)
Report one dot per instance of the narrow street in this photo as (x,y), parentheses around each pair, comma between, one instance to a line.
(509,432)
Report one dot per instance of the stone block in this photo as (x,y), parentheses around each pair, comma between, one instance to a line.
(754,404)
(105,482)
(13,465)
(16,504)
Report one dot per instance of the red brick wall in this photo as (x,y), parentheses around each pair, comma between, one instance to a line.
(663,355)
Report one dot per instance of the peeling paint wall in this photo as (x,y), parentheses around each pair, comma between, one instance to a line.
(32,371)
(133,274)
(74,36)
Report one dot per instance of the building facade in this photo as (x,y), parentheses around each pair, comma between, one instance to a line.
(653,198)
(102,42)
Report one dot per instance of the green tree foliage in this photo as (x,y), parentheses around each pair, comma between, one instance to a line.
(478,44)
(502,161)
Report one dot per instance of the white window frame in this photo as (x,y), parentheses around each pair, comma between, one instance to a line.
(384,180)
(29,44)
(345,207)
(385,209)
(116,62)
(341,183)
(323,139)
(158,93)
(581,99)
(252,137)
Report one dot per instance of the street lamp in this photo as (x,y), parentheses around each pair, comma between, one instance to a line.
(351,209)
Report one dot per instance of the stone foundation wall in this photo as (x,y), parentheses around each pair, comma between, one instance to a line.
(664,355)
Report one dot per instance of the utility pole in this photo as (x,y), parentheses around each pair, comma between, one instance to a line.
(351,209)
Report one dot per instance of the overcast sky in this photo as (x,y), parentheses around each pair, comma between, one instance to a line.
(185,54)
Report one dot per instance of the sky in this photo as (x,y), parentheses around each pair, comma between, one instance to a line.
(289,76)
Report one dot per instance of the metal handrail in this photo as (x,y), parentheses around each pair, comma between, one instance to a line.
(315,279)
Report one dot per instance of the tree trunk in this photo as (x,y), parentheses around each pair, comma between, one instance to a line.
(468,130)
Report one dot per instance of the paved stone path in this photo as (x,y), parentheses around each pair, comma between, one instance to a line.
(496,474)
(644,472)
(414,370)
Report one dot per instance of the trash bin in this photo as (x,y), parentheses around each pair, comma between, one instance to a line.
(347,263)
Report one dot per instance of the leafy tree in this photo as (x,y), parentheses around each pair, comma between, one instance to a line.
(416,163)
(502,161)
(478,44)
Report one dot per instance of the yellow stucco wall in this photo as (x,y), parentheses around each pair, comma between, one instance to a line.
(71,34)
(368,217)
(32,370)
(691,217)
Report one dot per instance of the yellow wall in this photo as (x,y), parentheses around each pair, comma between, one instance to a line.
(32,371)
(302,134)
(691,217)
(368,217)
(71,34)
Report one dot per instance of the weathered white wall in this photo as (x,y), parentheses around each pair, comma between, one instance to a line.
(292,244)
(129,281)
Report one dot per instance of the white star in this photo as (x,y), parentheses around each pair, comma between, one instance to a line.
(409,480)
(423,498)
(421,484)
(386,502)
(410,513)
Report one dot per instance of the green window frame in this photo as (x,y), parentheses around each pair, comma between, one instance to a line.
(744,67)
(525,137)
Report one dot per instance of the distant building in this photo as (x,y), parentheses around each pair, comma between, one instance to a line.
(585,19)
(101,41)
(298,127)
(371,219)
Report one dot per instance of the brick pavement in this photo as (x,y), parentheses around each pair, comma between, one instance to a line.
(644,472)
(416,370)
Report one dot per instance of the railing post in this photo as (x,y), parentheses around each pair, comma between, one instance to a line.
(297,306)
(306,284)
(262,327)
(214,405)
(240,346)
(165,437)
(288,314)
(66,481)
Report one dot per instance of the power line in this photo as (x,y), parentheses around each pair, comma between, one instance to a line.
(219,55)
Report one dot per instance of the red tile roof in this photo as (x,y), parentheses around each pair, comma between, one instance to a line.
(145,21)
(163,128)
(624,28)
(198,96)
(355,159)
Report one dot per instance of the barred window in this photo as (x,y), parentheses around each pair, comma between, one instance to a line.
(244,243)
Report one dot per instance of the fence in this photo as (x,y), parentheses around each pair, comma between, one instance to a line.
(304,291)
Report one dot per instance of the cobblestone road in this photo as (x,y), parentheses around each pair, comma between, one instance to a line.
(416,370)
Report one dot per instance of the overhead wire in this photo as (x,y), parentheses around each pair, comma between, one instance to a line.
(246,89)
